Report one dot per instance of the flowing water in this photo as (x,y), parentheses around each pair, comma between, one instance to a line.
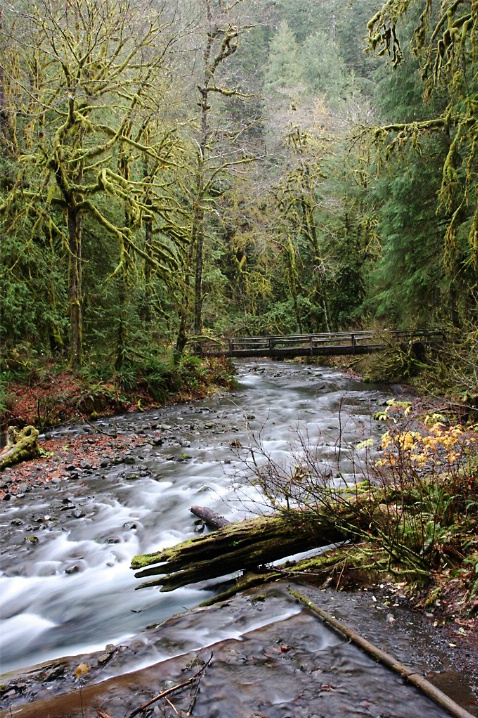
(72,590)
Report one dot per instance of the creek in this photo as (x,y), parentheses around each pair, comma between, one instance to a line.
(71,589)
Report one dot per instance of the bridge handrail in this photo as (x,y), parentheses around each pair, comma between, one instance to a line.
(327,338)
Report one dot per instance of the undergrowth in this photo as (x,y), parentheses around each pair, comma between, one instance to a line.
(411,501)
(47,393)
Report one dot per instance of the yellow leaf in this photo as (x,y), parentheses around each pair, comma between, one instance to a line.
(82,670)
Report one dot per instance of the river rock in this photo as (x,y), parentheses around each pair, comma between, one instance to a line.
(72,569)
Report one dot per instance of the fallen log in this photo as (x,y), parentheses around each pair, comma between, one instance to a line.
(240,546)
(382,657)
(212,519)
(21,446)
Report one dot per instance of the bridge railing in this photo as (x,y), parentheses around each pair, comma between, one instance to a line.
(267,345)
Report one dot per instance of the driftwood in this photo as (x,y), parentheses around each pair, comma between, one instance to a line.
(386,659)
(193,680)
(21,446)
(210,518)
(240,546)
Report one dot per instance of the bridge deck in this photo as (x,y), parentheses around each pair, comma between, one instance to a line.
(325,344)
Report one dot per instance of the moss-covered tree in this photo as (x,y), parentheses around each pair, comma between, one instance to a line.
(445,41)
(82,89)
(214,152)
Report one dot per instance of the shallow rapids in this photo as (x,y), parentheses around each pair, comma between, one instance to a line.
(66,586)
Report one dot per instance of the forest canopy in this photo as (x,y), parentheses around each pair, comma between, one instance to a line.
(174,170)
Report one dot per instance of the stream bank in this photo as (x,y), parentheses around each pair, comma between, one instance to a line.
(270,657)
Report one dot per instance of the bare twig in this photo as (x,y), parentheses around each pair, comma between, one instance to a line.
(171,705)
(96,428)
(163,694)
(197,677)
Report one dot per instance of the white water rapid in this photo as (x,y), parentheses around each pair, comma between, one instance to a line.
(72,590)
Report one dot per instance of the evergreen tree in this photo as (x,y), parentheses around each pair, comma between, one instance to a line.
(284,68)
(324,69)
(425,272)
(444,42)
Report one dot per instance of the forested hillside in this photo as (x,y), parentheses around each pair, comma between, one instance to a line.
(178,169)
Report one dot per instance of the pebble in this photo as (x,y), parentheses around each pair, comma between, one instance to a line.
(31,539)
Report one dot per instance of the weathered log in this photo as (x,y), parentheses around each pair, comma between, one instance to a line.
(404,671)
(21,446)
(235,547)
(212,519)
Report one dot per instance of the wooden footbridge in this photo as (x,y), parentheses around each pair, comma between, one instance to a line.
(326,344)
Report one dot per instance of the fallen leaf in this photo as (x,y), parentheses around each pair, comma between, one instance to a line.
(82,670)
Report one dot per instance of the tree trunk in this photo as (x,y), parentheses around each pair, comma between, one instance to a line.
(146,313)
(182,338)
(121,333)
(198,240)
(292,269)
(76,328)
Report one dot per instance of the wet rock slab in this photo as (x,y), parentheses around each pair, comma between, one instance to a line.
(286,667)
